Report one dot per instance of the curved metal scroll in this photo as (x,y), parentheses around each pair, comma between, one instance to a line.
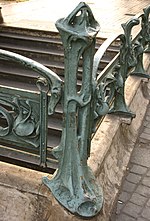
(28,123)
(73,184)
(48,77)
(145,32)
(127,61)
(142,44)
(104,83)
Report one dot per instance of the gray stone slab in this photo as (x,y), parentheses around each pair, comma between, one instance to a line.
(125,217)
(128,187)
(137,169)
(148,173)
(138,199)
(124,196)
(145,136)
(133,178)
(132,209)
(143,190)
(141,157)
(146,213)
(148,203)
(146,181)
(141,219)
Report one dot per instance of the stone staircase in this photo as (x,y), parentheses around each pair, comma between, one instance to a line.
(46,48)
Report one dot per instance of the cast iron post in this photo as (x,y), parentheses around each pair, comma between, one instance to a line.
(127,61)
(73,184)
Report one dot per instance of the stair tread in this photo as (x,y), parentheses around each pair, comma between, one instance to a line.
(27,78)
(33,50)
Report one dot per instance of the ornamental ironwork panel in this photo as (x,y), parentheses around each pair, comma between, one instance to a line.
(21,118)
(24,114)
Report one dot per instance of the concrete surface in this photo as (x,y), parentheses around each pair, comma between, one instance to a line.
(42,14)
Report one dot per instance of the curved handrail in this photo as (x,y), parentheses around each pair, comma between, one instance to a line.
(53,79)
(100,52)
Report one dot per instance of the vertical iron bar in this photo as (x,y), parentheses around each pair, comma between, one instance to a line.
(43,128)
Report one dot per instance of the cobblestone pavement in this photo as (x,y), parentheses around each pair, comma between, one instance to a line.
(134,200)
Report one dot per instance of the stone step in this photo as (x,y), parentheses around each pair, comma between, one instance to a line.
(46,48)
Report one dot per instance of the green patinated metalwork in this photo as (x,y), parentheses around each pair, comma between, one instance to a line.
(73,184)
(121,70)
(145,32)
(22,120)
(111,83)
(25,111)
(142,44)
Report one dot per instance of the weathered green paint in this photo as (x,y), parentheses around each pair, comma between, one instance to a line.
(73,184)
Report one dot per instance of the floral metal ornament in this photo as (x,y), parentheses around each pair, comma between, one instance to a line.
(127,61)
(145,32)
(73,184)
(25,112)
(142,44)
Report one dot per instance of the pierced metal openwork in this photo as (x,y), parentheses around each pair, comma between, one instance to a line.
(24,114)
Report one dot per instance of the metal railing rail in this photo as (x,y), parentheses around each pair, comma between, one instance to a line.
(26,112)
(73,183)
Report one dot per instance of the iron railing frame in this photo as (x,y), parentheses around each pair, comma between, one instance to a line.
(73,183)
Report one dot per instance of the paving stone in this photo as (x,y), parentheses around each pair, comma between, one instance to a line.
(128,187)
(145,136)
(146,130)
(124,217)
(147,118)
(138,169)
(146,213)
(148,112)
(146,181)
(148,173)
(124,196)
(141,157)
(148,145)
(146,124)
(133,178)
(141,219)
(141,140)
(143,190)
(148,203)
(132,209)
(138,199)
(135,195)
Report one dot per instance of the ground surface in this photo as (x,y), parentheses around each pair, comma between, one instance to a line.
(42,14)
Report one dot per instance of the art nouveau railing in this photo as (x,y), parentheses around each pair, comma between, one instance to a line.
(26,112)
(73,183)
